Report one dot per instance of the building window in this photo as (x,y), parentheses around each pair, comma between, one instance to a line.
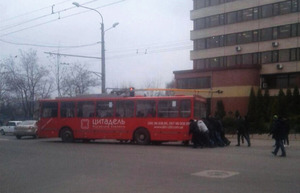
(254,13)
(294,30)
(214,63)
(266,11)
(284,31)
(231,18)
(293,54)
(213,42)
(285,7)
(231,40)
(214,21)
(278,81)
(266,57)
(295,5)
(247,59)
(247,15)
(199,64)
(244,37)
(199,23)
(198,4)
(194,83)
(231,61)
(199,44)
(284,55)
(265,34)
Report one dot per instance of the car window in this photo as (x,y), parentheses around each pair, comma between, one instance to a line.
(28,123)
(11,124)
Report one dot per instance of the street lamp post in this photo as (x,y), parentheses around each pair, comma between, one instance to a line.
(103,76)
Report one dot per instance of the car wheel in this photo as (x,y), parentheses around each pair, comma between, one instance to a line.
(18,136)
(2,132)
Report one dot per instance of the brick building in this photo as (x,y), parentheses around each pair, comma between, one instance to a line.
(240,44)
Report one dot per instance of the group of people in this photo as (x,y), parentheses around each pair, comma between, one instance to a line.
(208,133)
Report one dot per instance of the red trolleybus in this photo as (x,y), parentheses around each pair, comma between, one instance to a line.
(139,119)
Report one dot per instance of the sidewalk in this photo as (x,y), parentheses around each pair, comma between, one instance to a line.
(292,137)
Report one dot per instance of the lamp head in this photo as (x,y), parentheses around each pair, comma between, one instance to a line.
(76,4)
(115,24)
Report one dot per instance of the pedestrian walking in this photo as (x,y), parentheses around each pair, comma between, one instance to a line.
(242,130)
(286,127)
(278,133)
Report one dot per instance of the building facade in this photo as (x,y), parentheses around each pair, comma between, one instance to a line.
(243,44)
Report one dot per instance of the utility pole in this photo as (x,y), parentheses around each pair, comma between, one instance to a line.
(103,89)
(57,75)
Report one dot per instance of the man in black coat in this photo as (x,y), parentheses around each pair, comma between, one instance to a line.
(278,133)
(242,130)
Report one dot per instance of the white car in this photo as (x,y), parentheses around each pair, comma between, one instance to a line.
(26,128)
(9,127)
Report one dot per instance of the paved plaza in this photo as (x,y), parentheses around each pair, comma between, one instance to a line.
(48,165)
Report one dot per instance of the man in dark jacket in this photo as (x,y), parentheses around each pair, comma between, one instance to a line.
(242,130)
(278,133)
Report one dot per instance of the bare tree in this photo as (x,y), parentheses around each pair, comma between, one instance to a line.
(3,87)
(153,84)
(171,84)
(28,80)
(78,81)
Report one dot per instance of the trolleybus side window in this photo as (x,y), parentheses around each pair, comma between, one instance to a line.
(104,109)
(185,108)
(49,109)
(145,108)
(168,108)
(67,109)
(199,110)
(85,109)
(125,109)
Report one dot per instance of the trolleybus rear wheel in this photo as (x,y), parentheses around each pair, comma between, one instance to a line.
(67,135)
(142,136)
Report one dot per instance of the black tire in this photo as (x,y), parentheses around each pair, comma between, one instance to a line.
(142,136)
(157,142)
(2,132)
(86,140)
(18,136)
(186,143)
(67,135)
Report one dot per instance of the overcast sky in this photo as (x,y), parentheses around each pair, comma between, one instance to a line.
(151,41)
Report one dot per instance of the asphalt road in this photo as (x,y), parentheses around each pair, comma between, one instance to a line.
(50,166)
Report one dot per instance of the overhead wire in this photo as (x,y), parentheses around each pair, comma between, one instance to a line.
(50,21)
(28,13)
(148,49)
(49,46)
(50,6)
